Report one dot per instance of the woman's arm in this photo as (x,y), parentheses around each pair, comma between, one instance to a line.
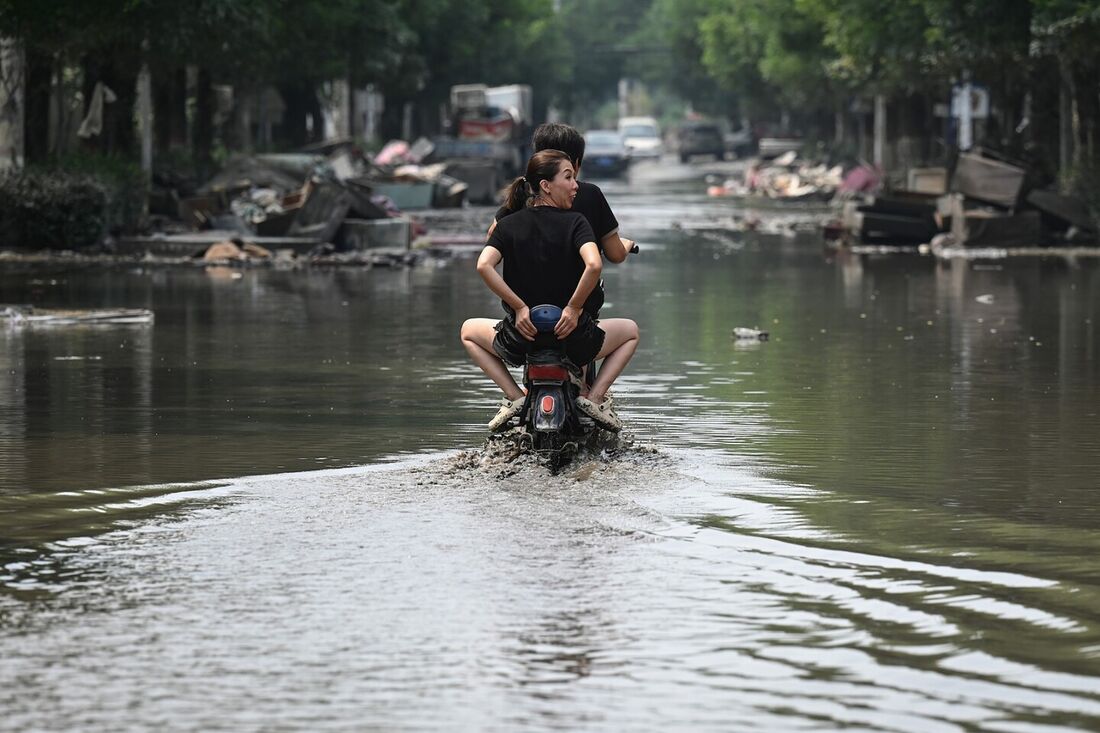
(571,313)
(487,263)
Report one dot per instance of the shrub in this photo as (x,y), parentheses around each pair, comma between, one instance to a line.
(54,210)
(71,203)
(121,179)
(1083,180)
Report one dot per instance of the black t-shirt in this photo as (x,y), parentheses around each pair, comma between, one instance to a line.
(541,250)
(590,202)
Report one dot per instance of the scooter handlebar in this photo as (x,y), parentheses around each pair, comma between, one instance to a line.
(635,249)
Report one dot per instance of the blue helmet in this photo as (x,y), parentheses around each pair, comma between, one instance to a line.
(545,317)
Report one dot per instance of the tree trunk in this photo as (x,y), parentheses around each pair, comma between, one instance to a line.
(162,112)
(118,117)
(296,98)
(170,109)
(879,151)
(392,116)
(838,122)
(36,120)
(204,117)
(313,107)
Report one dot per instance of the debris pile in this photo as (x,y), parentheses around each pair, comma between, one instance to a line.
(983,202)
(785,178)
(331,199)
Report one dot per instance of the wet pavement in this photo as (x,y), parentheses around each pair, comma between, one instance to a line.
(272,508)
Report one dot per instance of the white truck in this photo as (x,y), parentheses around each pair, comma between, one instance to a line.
(490,133)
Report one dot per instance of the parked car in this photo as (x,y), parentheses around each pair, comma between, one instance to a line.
(773,147)
(605,153)
(740,143)
(642,137)
(700,138)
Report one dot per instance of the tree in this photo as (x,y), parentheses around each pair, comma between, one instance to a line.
(671,31)
(475,41)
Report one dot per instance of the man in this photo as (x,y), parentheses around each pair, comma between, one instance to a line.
(590,200)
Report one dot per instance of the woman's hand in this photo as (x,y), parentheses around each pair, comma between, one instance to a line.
(568,321)
(524,325)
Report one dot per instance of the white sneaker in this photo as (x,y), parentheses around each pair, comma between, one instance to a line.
(508,410)
(603,413)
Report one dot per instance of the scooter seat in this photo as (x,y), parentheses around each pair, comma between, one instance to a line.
(545,317)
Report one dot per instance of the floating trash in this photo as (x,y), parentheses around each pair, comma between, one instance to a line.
(749,334)
(27,315)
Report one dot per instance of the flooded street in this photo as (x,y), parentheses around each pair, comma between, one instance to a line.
(267,509)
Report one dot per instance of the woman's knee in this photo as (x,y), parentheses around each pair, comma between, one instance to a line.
(476,329)
(623,330)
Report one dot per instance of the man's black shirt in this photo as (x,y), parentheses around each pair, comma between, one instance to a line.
(541,250)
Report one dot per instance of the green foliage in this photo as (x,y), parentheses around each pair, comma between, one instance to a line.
(726,57)
(671,34)
(121,179)
(494,42)
(876,44)
(602,40)
(1083,180)
(767,50)
(53,210)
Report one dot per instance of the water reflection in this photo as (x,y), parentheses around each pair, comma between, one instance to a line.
(13,417)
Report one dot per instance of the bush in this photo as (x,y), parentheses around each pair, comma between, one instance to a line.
(1083,180)
(72,203)
(55,210)
(125,184)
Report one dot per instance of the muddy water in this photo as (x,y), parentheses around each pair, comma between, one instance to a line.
(882,518)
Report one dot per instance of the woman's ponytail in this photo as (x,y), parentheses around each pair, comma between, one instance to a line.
(516,195)
(543,166)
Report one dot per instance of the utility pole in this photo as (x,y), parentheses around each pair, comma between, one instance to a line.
(966,119)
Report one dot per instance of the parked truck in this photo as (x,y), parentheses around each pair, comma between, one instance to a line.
(489,136)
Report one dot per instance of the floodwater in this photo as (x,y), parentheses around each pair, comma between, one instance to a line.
(269,509)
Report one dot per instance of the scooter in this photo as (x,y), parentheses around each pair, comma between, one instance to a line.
(553,426)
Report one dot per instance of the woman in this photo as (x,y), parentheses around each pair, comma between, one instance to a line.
(549,256)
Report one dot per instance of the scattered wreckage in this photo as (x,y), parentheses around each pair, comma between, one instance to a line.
(784,178)
(330,203)
(982,207)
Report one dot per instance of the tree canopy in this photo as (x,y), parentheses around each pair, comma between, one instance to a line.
(746,58)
